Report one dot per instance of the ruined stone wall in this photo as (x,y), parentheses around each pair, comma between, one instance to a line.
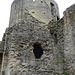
(57,34)
(42,10)
(21,59)
(64,28)
(6,45)
(69,38)
(64,41)
(56,41)
(59,43)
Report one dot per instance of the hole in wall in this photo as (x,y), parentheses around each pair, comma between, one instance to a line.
(57,18)
(55,38)
(52,5)
(21,46)
(41,1)
(44,13)
(38,51)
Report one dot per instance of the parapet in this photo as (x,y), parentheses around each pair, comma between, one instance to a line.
(42,10)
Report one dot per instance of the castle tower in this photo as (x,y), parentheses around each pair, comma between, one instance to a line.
(29,47)
(36,41)
(43,10)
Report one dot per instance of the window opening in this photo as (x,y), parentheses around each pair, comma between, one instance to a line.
(1,55)
(3,72)
(44,13)
(55,38)
(52,8)
(38,51)
(57,18)
(41,1)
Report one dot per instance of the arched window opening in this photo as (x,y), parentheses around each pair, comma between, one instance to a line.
(52,8)
(38,51)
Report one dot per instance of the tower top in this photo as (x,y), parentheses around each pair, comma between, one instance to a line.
(42,10)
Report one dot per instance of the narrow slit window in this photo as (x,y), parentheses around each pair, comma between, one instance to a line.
(52,8)
(38,51)
(1,55)
(55,38)
(57,18)
(41,1)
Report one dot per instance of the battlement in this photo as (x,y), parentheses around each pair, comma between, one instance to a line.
(42,10)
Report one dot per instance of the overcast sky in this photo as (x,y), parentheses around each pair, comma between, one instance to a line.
(5,12)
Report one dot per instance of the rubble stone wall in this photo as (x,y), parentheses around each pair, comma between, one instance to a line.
(21,59)
(69,38)
(56,40)
(40,9)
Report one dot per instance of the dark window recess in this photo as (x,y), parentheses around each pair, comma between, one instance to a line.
(51,31)
(15,7)
(1,54)
(52,5)
(57,18)
(52,8)
(3,72)
(55,38)
(41,1)
(38,51)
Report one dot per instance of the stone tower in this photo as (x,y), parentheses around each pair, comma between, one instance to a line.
(42,10)
(37,41)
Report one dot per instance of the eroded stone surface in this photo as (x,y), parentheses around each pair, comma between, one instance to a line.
(43,10)
(56,39)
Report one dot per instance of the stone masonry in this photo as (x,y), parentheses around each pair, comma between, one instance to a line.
(37,41)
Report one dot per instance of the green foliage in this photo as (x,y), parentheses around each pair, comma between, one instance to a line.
(57,63)
(63,61)
(66,73)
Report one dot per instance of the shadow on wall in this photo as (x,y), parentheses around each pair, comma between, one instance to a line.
(1,55)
